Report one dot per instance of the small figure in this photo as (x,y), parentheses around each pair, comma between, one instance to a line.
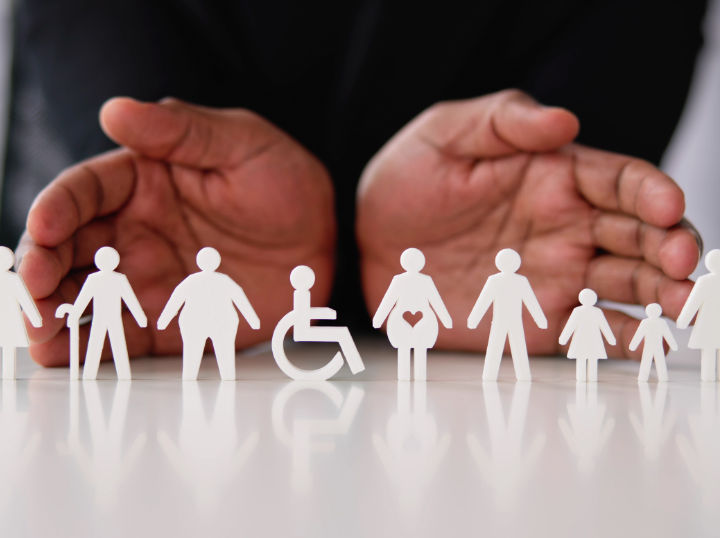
(507,291)
(107,289)
(14,300)
(653,330)
(587,326)
(302,279)
(704,300)
(412,306)
(208,300)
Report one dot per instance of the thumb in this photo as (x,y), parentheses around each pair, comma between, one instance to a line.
(499,124)
(186,134)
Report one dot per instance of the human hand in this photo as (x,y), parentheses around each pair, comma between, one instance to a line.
(187,177)
(467,178)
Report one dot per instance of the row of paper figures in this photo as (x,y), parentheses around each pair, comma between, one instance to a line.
(207,302)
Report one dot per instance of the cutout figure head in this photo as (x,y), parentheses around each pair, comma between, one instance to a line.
(107,259)
(712,261)
(7,259)
(507,260)
(587,297)
(412,260)
(302,278)
(653,310)
(208,259)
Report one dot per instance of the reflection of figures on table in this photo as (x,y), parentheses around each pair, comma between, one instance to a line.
(654,429)
(14,299)
(507,464)
(506,292)
(208,300)
(703,303)
(587,326)
(412,306)
(653,331)
(299,321)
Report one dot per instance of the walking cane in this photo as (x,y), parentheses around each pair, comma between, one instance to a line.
(63,310)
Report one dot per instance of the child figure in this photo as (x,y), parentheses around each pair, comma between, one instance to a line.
(587,326)
(653,330)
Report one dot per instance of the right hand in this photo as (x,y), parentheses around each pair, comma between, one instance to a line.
(187,177)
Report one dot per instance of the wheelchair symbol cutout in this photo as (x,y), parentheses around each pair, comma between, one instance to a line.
(298,320)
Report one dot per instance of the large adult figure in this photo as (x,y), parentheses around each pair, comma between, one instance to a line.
(412,306)
(208,300)
(703,303)
(14,299)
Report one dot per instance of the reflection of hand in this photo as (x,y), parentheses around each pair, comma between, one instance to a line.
(467,178)
(188,177)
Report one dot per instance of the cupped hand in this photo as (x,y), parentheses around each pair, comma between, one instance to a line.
(186,177)
(468,178)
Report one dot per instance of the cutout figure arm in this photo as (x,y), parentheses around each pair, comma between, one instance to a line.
(606,330)
(83,299)
(669,338)
(173,306)
(322,312)
(132,302)
(482,304)
(639,335)
(243,305)
(386,305)
(692,305)
(533,306)
(438,305)
(26,302)
(569,329)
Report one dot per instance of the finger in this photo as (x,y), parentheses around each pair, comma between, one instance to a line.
(624,184)
(495,125)
(674,251)
(82,193)
(635,281)
(185,134)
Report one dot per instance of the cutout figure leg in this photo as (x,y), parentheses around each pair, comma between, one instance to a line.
(420,363)
(707,364)
(581,370)
(225,352)
(645,365)
(493,355)
(592,370)
(8,362)
(661,367)
(342,336)
(98,330)
(403,364)
(116,334)
(192,357)
(518,350)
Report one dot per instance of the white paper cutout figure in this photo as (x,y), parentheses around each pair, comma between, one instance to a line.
(507,291)
(73,325)
(14,300)
(308,436)
(107,289)
(208,300)
(298,319)
(653,330)
(704,300)
(587,326)
(412,306)
(655,428)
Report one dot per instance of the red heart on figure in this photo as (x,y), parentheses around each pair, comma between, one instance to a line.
(412,318)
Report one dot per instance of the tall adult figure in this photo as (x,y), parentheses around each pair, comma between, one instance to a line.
(507,291)
(703,303)
(14,300)
(208,300)
(412,306)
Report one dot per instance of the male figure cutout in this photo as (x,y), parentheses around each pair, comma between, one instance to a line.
(507,291)
(208,300)
(107,290)
(653,330)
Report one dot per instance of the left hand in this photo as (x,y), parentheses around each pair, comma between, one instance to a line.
(467,178)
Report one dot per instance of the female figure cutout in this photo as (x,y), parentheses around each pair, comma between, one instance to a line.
(587,326)
(14,299)
(412,306)
(704,300)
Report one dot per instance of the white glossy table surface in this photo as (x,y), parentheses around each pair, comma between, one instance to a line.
(360,456)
